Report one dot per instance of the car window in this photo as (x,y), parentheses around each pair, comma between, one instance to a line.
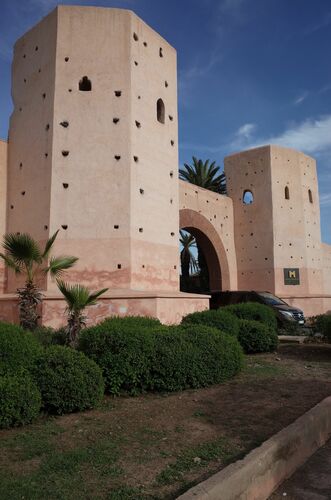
(270,299)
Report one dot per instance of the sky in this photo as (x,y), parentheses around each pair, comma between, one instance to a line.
(250,72)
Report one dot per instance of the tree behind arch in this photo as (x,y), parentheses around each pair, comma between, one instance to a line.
(205,175)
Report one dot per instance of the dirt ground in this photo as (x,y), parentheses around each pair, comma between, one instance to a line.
(156,446)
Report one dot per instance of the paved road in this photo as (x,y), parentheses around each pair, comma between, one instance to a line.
(312,481)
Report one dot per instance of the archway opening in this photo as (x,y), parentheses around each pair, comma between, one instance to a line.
(200,266)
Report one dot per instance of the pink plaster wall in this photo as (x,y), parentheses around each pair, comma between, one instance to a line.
(253,229)
(3,205)
(212,214)
(113,207)
(326,268)
(169,308)
(31,133)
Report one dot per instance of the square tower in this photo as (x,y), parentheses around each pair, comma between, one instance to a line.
(93,146)
(276,220)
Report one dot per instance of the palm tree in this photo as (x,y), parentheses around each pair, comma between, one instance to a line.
(25,256)
(204,175)
(77,297)
(187,259)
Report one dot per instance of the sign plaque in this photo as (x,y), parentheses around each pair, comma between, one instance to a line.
(291,276)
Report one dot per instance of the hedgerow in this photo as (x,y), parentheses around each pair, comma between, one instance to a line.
(254,337)
(160,358)
(68,380)
(20,400)
(221,319)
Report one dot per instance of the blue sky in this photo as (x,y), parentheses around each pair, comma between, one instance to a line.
(250,72)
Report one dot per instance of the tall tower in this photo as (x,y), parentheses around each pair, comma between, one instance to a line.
(93,146)
(276,221)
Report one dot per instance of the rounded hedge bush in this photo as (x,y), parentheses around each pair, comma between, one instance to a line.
(221,319)
(68,380)
(131,321)
(20,400)
(254,311)
(47,336)
(160,358)
(256,337)
(322,324)
(18,349)
(124,351)
(193,356)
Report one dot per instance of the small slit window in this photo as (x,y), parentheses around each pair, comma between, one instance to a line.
(310,196)
(85,85)
(160,111)
(287,193)
(248,197)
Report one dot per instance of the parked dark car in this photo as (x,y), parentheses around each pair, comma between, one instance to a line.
(282,309)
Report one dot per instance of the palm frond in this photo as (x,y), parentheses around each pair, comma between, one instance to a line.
(22,248)
(11,263)
(188,242)
(59,264)
(49,244)
(78,296)
(186,239)
(204,174)
(94,296)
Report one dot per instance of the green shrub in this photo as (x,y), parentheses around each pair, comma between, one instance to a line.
(123,349)
(172,360)
(322,324)
(256,337)
(18,349)
(130,321)
(254,311)
(221,319)
(68,380)
(160,358)
(47,336)
(20,400)
(290,327)
(193,356)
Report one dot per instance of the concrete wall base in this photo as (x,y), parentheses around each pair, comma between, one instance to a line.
(169,308)
(265,468)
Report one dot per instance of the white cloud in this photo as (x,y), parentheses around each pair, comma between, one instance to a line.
(311,136)
(242,137)
(246,131)
(301,97)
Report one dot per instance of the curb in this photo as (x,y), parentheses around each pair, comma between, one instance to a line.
(265,468)
(293,339)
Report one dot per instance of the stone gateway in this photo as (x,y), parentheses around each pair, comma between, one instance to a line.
(93,150)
